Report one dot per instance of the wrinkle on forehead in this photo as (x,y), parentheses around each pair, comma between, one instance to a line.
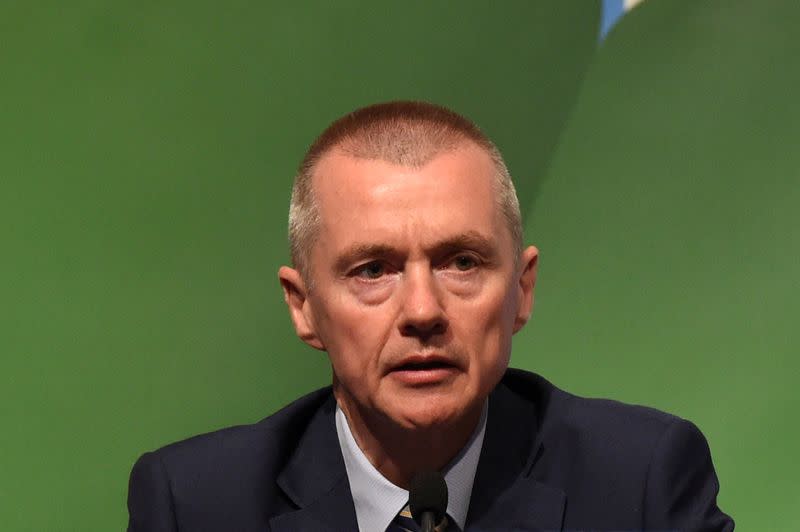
(376,202)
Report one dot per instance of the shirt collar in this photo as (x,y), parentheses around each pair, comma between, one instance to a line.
(377,501)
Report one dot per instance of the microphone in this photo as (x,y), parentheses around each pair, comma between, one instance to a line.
(427,499)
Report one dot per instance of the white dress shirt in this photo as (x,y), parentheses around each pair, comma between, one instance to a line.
(377,501)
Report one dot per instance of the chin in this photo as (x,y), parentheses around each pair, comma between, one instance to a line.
(429,414)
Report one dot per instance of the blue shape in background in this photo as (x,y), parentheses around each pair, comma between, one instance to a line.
(612,12)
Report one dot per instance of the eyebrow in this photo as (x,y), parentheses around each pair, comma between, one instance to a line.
(469,240)
(359,252)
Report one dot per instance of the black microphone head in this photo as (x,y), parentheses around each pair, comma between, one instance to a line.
(428,494)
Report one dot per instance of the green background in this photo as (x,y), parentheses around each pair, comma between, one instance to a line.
(146,156)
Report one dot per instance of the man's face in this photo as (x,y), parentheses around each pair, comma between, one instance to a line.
(416,291)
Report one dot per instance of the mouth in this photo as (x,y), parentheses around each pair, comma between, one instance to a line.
(424,370)
(423,365)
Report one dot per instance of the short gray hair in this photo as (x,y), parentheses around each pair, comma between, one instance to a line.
(405,133)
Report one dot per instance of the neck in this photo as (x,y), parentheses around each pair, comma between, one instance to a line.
(399,453)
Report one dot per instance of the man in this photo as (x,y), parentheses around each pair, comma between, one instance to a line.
(409,271)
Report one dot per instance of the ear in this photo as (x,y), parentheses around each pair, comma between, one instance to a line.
(527,281)
(296,297)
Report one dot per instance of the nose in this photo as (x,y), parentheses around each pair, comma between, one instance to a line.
(423,315)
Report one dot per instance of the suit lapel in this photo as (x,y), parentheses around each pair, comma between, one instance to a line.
(315,480)
(505,496)
(331,511)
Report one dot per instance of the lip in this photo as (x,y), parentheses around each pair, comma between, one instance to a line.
(419,370)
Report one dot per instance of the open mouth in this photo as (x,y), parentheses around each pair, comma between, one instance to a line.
(422,366)
(418,371)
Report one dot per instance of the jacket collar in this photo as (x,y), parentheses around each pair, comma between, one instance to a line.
(315,480)
(505,496)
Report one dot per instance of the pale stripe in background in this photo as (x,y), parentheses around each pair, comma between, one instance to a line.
(613,10)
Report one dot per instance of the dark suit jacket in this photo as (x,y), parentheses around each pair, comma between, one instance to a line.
(550,461)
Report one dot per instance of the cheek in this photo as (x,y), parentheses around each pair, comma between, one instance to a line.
(487,327)
(352,335)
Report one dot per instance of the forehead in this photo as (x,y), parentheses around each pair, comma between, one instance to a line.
(374,200)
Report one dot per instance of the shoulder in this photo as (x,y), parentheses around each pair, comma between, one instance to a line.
(614,459)
(274,435)
(239,455)
(584,440)
(223,479)
(563,413)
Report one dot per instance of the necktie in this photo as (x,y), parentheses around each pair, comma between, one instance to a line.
(403,522)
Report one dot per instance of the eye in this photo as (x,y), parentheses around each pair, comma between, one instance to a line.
(370,270)
(464,262)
